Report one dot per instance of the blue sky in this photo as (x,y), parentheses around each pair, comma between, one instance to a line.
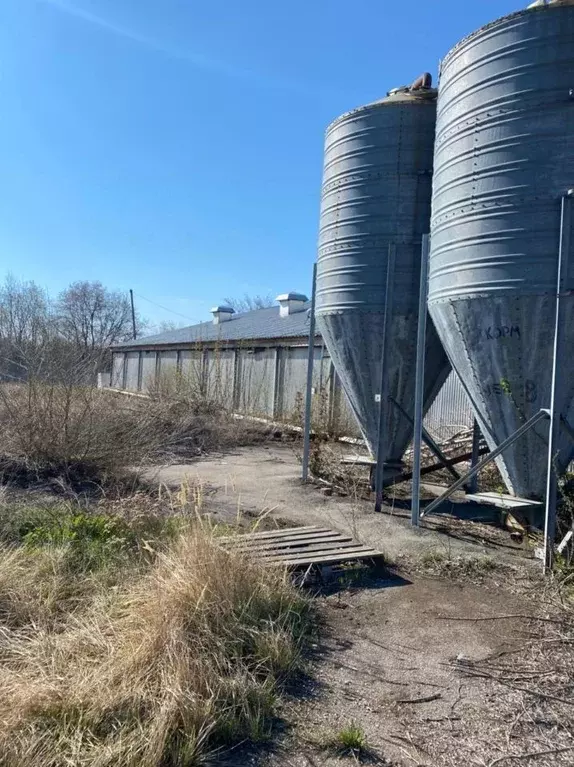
(175,146)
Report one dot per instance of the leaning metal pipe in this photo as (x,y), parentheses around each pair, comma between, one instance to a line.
(490,457)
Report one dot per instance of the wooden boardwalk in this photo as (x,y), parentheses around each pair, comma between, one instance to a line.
(300,546)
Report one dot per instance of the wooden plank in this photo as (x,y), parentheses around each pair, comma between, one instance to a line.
(279,533)
(345,556)
(318,549)
(330,542)
(247,540)
(298,541)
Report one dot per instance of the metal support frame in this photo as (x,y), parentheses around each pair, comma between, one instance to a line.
(419,383)
(552,477)
(309,392)
(428,440)
(556,419)
(383,394)
(472,486)
(485,461)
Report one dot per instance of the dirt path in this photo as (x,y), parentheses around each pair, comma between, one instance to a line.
(383,647)
(388,649)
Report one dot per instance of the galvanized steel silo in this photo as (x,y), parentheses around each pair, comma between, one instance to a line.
(504,157)
(376,193)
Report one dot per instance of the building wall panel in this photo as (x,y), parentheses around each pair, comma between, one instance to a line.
(132,371)
(118,370)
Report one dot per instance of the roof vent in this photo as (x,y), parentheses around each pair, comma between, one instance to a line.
(222,314)
(291,303)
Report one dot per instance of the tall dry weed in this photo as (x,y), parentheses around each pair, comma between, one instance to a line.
(160,671)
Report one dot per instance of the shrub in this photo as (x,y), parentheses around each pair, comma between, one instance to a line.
(81,436)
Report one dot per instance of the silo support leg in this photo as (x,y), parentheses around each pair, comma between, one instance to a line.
(383,395)
(472,486)
(557,380)
(419,382)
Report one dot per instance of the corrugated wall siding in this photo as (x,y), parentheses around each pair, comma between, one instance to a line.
(220,375)
(132,371)
(256,381)
(148,368)
(270,382)
(451,411)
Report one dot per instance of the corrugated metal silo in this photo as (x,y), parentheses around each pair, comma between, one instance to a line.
(504,157)
(376,193)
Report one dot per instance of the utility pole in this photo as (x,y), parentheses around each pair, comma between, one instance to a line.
(133,314)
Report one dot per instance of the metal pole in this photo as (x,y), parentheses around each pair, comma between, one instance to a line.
(383,394)
(419,384)
(552,477)
(490,457)
(472,486)
(309,392)
(133,314)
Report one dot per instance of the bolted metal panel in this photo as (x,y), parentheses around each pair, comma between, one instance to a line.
(148,370)
(504,157)
(193,370)
(219,373)
(132,370)
(376,193)
(256,370)
(168,365)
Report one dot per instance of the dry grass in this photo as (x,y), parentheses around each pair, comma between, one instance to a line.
(157,663)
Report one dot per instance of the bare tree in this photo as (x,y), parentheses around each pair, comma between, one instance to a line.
(92,318)
(249,303)
(25,326)
(24,313)
(165,326)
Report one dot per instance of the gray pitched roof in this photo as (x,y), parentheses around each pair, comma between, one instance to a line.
(259,324)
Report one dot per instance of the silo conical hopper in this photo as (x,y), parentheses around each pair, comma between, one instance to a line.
(504,157)
(376,193)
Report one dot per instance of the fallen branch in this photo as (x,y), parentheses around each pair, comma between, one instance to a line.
(470,671)
(501,618)
(531,754)
(424,699)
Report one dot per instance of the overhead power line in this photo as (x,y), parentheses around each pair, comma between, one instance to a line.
(177,314)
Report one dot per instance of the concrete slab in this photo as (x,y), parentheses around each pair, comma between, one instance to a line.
(266,480)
